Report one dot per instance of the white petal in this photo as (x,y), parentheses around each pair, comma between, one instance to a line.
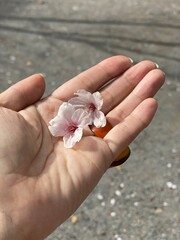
(55,120)
(83,98)
(81,118)
(66,110)
(54,131)
(78,134)
(99,119)
(71,139)
(58,126)
(62,108)
(98,100)
(82,93)
(68,141)
(78,102)
(86,120)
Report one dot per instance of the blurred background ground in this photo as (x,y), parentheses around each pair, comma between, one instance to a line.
(62,38)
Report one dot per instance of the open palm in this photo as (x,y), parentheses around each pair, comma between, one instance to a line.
(41,182)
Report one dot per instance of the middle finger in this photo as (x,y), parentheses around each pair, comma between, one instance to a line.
(119,89)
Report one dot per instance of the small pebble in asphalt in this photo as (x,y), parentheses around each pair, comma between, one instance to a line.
(99,196)
(165,204)
(121,185)
(169,165)
(103,204)
(171,185)
(118,193)
(74,219)
(113,214)
(117,237)
(113,201)
(136,204)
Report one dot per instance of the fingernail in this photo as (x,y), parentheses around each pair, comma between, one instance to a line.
(42,74)
(157,66)
(131,60)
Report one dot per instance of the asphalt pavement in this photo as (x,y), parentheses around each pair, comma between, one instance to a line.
(140,200)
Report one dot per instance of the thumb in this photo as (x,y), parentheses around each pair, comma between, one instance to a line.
(23,93)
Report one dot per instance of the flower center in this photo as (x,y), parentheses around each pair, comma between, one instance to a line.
(72,128)
(91,107)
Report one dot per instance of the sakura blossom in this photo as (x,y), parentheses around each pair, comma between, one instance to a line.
(76,114)
(69,124)
(92,104)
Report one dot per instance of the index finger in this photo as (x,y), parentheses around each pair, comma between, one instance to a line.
(94,78)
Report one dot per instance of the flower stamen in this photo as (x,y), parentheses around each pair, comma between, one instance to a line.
(71,128)
(91,107)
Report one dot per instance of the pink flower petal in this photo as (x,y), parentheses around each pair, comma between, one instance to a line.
(83,98)
(83,94)
(81,118)
(58,126)
(66,110)
(91,103)
(69,124)
(71,139)
(99,119)
(73,116)
(98,100)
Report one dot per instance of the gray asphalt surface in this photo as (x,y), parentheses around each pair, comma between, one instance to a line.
(139,201)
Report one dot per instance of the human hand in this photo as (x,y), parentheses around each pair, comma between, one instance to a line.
(41,182)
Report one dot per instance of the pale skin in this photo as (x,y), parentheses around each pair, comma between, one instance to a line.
(41,182)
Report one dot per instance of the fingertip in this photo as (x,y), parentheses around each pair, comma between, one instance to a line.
(40,77)
(146,111)
(131,60)
(116,65)
(38,83)
(162,75)
(43,75)
(152,102)
(157,65)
